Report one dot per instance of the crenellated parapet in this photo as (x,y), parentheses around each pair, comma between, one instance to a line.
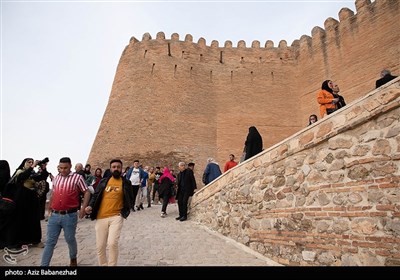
(214,43)
(347,24)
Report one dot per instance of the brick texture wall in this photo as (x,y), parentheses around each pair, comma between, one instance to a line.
(174,99)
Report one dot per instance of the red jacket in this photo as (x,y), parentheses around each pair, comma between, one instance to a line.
(229,165)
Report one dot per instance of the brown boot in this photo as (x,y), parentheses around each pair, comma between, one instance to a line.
(73,262)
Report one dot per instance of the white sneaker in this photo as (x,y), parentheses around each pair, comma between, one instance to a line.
(163,215)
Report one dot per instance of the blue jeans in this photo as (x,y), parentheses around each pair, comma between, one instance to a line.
(55,223)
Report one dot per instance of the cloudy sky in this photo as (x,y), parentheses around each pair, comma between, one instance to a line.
(58,58)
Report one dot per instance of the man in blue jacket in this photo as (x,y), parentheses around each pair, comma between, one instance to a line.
(211,172)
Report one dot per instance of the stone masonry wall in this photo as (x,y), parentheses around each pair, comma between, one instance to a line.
(328,195)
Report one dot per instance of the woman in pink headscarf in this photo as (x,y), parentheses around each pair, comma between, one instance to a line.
(166,182)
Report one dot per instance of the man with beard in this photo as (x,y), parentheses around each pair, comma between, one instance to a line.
(109,205)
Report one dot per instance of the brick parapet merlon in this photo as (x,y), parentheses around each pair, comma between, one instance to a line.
(331,33)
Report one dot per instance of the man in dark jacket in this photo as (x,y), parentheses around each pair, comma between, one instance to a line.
(110,204)
(186,185)
(386,76)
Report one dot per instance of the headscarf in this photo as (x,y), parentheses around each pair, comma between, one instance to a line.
(107,173)
(253,135)
(22,165)
(5,168)
(166,174)
(4,174)
(309,121)
(325,86)
(98,178)
(87,172)
(253,143)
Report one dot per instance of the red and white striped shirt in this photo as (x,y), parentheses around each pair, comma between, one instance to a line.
(66,190)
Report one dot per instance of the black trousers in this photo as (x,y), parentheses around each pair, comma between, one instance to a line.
(42,206)
(165,202)
(135,191)
(183,199)
(155,189)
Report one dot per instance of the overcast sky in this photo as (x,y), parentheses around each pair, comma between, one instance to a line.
(58,58)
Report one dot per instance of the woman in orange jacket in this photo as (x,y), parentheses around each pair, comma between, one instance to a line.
(327,102)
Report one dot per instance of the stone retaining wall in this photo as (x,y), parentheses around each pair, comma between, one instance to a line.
(328,195)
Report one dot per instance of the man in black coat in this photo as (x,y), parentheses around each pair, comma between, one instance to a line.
(386,76)
(186,185)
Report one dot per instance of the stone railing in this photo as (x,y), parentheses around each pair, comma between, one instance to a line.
(328,195)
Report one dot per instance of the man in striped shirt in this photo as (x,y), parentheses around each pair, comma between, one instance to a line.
(63,211)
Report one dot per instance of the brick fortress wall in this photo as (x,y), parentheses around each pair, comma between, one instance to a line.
(175,100)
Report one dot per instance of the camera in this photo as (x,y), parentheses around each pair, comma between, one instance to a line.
(43,161)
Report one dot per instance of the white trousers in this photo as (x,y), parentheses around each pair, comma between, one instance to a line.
(108,231)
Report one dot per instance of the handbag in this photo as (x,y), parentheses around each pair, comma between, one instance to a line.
(330,110)
(243,157)
(41,188)
(173,192)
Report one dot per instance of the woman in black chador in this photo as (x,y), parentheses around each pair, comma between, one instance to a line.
(22,226)
(4,174)
(253,144)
